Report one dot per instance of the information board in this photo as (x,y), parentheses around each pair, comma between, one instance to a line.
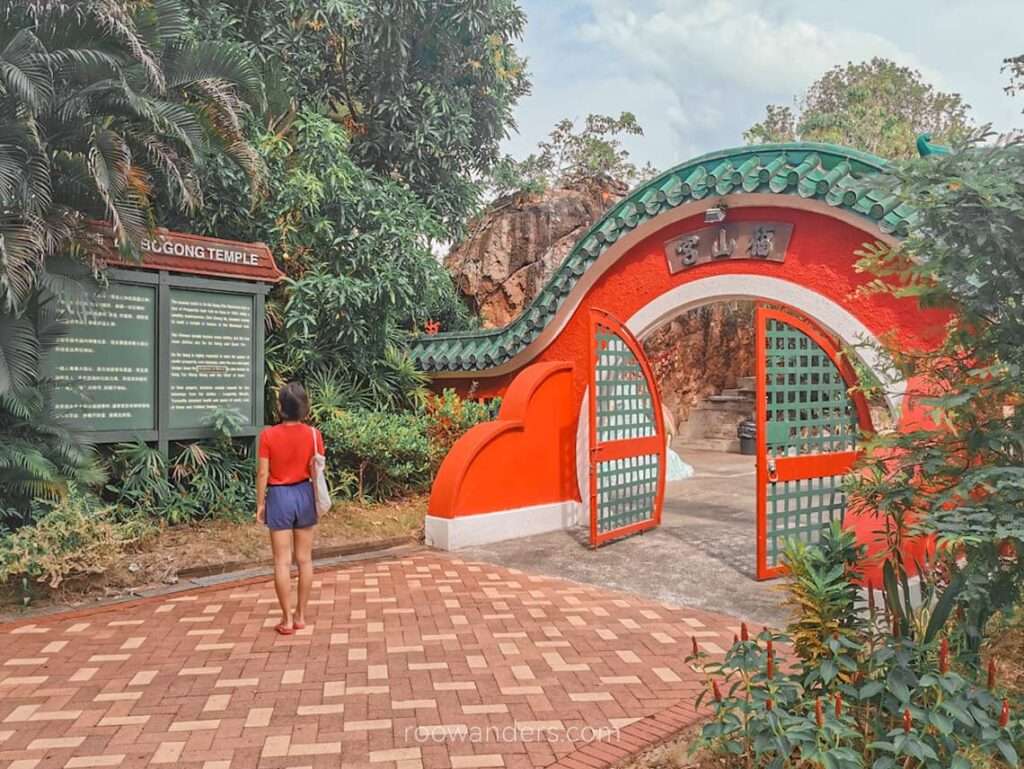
(105,367)
(211,356)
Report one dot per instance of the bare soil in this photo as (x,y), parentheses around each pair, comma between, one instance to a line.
(676,754)
(162,557)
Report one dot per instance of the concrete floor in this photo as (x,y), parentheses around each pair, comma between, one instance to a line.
(701,556)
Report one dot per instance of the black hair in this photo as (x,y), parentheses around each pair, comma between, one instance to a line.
(293,402)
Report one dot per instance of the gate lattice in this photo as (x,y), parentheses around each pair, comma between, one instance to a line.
(808,425)
(627,438)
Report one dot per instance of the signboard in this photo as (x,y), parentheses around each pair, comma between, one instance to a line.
(105,368)
(202,255)
(766,241)
(156,352)
(211,355)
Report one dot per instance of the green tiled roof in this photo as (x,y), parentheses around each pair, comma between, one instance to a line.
(838,176)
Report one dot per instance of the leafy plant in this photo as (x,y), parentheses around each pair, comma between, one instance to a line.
(377,455)
(425,89)
(39,456)
(958,477)
(70,538)
(876,106)
(859,693)
(450,416)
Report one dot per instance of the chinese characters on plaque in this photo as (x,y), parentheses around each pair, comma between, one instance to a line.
(765,241)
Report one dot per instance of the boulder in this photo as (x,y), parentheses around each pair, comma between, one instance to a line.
(516,244)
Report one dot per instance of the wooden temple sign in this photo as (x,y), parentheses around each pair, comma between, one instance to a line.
(202,255)
(763,241)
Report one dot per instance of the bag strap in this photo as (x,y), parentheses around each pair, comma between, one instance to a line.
(313,431)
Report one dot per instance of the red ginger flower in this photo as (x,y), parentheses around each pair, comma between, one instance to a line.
(1004,714)
(819,712)
(944,656)
(907,721)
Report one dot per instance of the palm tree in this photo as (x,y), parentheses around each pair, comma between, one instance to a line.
(105,107)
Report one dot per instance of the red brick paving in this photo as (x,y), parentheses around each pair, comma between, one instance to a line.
(494,667)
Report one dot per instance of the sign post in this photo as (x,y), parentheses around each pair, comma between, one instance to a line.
(166,342)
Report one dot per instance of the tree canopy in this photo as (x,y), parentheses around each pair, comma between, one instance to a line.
(876,106)
(425,88)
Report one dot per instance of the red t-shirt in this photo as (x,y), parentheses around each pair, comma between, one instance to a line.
(289,447)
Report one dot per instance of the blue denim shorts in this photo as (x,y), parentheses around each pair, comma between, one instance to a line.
(291,507)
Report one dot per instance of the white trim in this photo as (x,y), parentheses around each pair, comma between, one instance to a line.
(485,528)
(829,314)
(718,288)
(622,246)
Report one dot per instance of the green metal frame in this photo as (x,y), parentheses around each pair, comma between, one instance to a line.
(627,438)
(808,427)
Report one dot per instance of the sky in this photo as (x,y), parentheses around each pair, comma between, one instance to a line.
(697,73)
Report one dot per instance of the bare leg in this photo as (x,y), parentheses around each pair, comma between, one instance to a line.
(281,544)
(304,560)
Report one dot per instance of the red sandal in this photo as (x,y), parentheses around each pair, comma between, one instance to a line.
(298,625)
(284,629)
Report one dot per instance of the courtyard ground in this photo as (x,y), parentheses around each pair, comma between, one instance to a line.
(421,661)
(702,555)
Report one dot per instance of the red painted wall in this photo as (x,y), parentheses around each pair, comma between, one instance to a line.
(820,257)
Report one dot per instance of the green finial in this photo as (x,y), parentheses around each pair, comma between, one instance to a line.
(926,148)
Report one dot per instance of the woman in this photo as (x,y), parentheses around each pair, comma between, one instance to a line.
(285,500)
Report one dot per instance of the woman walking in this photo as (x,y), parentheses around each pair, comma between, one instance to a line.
(285,500)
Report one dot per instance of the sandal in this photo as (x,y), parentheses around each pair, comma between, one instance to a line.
(298,625)
(284,629)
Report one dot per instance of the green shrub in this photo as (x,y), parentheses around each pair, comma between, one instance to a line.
(213,478)
(866,690)
(377,454)
(70,538)
(449,416)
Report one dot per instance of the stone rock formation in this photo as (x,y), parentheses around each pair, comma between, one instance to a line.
(517,243)
(700,353)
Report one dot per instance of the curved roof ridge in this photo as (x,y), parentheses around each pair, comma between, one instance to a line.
(826,172)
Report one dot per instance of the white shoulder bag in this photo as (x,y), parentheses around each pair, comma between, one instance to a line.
(319,479)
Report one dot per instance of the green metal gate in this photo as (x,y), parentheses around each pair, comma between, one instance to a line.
(627,437)
(808,424)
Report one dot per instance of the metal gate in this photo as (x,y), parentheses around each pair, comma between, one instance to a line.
(627,437)
(807,428)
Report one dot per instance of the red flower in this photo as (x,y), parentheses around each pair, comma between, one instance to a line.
(768,705)
(716,692)
(944,656)
(432,327)
(839,705)
(771,665)
(819,712)
(1004,714)
(907,721)
(744,633)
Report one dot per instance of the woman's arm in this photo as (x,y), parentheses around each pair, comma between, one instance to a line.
(262,475)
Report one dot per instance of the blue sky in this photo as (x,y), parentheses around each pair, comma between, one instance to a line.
(698,72)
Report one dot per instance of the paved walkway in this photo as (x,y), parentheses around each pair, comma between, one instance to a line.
(423,662)
(703,554)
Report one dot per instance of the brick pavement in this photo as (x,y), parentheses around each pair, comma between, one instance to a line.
(419,662)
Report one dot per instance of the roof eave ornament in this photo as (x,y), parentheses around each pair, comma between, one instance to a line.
(926,148)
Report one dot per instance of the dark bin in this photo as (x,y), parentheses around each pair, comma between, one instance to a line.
(746,431)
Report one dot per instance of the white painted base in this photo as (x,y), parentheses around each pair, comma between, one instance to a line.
(485,528)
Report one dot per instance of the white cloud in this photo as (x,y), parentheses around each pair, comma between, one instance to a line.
(697,73)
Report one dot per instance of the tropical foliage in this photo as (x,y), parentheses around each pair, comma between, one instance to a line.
(960,477)
(424,88)
(876,106)
(357,251)
(104,106)
(860,693)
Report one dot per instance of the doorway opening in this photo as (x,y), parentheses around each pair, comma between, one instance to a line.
(704,362)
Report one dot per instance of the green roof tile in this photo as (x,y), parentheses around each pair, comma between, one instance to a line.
(838,176)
